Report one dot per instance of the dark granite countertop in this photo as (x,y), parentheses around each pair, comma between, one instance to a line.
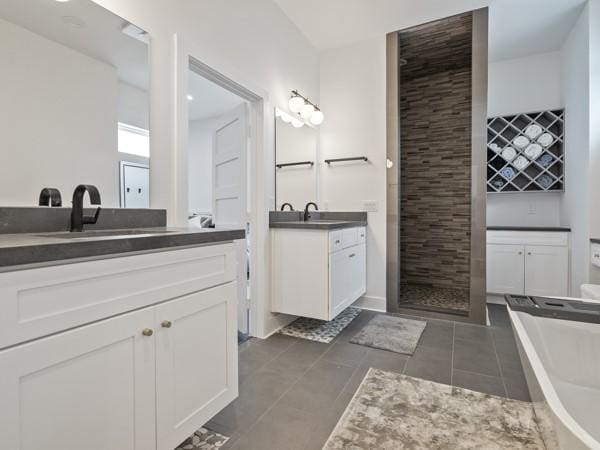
(318,224)
(595,241)
(514,228)
(42,249)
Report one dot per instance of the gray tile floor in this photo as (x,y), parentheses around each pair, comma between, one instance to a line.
(293,391)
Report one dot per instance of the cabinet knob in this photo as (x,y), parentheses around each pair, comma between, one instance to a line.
(147,332)
(529,253)
(352,255)
(520,253)
(166,324)
(337,241)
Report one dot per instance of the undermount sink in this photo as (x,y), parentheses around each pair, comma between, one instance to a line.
(108,233)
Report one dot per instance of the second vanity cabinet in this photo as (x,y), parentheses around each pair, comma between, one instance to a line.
(130,353)
(318,273)
(528,263)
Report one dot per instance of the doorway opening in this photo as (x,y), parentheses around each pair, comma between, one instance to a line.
(218,155)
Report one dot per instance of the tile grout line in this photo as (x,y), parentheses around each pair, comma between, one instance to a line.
(452,355)
(499,365)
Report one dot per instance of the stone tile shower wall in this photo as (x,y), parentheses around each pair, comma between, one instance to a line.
(435,153)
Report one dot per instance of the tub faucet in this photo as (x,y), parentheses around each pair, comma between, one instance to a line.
(50,197)
(306,214)
(287,204)
(77,217)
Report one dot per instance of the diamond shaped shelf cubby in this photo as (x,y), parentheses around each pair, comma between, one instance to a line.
(525,152)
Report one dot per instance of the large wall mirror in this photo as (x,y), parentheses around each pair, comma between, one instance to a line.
(74,104)
(295,162)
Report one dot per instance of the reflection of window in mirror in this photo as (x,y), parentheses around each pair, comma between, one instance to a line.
(133,140)
(295,184)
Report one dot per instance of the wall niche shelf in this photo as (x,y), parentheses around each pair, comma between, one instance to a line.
(525,152)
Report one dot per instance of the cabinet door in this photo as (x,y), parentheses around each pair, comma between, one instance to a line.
(347,278)
(196,354)
(505,269)
(546,270)
(89,388)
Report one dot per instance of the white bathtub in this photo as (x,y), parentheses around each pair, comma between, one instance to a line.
(561,360)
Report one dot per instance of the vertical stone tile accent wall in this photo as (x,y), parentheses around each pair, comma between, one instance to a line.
(435,153)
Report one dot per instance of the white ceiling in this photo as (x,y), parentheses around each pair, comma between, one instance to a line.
(99,35)
(517,27)
(209,99)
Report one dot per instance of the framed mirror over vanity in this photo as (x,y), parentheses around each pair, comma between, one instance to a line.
(74,103)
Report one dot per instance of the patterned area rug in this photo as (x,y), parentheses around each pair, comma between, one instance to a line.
(320,330)
(391,333)
(392,411)
(203,439)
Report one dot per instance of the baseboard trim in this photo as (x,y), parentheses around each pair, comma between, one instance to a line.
(371,303)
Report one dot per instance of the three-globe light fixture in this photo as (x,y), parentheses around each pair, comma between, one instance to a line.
(305,109)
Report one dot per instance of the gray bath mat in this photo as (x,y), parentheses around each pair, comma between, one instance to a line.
(320,330)
(203,439)
(391,333)
(392,412)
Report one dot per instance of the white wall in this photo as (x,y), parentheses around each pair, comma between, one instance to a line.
(200,165)
(133,106)
(576,204)
(525,85)
(58,116)
(353,97)
(524,209)
(251,41)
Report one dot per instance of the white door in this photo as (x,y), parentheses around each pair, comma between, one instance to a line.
(196,361)
(89,388)
(230,144)
(546,270)
(229,168)
(135,185)
(505,269)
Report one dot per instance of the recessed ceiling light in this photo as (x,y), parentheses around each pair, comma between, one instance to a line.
(62,1)
(190,97)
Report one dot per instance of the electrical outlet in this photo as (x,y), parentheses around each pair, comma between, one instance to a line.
(370,205)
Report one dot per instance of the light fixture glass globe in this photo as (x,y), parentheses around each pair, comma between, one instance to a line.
(297,123)
(296,103)
(307,111)
(286,117)
(317,118)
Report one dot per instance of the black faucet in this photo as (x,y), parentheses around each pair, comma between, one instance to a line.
(287,204)
(50,197)
(77,217)
(306,214)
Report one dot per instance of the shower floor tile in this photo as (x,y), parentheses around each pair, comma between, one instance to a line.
(432,298)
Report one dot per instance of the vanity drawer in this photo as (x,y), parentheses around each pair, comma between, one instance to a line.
(362,235)
(341,239)
(335,240)
(38,302)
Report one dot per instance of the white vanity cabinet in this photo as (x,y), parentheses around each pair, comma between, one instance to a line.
(528,263)
(318,273)
(139,363)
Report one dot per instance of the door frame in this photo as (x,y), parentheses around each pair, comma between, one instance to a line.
(259,168)
(122,165)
